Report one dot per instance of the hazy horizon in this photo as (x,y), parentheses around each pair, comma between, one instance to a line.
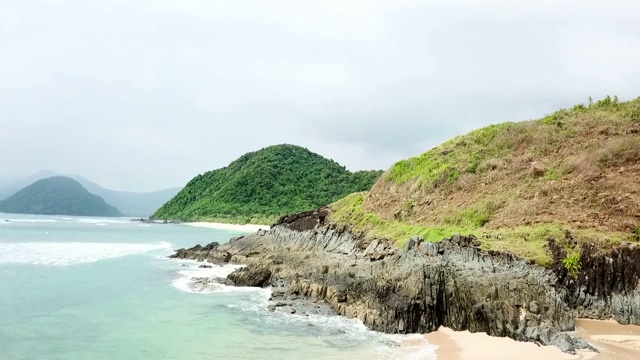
(143,95)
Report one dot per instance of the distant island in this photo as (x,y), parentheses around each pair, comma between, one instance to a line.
(128,202)
(263,185)
(57,195)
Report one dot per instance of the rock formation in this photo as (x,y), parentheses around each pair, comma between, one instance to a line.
(608,285)
(450,283)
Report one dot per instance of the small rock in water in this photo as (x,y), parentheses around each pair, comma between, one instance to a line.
(205,266)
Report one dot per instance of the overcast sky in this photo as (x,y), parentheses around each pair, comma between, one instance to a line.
(145,94)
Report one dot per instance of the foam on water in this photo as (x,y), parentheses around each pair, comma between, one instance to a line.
(30,220)
(70,253)
(102,221)
(338,330)
(191,272)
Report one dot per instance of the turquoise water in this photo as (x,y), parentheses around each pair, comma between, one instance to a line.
(90,288)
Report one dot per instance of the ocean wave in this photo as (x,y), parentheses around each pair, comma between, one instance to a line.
(102,221)
(191,273)
(336,330)
(32,220)
(70,253)
(342,332)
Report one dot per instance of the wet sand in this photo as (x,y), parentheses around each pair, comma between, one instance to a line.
(614,341)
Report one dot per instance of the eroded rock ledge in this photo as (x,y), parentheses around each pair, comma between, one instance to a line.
(450,283)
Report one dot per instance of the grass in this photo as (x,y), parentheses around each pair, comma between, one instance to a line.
(473,217)
(515,185)
(528,242)
(349,211)
(467,153)
(572,264)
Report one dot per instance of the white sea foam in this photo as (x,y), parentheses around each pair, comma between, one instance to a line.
(70,253)
(102,221)
(187,276)
(343,332)
(338,330)
(32,220)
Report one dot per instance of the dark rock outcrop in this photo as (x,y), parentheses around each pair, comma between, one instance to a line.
(608,285)
(450,283)
(201,253)
(250,277)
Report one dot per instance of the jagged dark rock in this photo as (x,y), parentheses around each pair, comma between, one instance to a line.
(450,283)
(608,285)
(250,277)
(201,253)
(224,281)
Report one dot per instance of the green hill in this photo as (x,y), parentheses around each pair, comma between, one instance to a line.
(573,175)
(263,185)
(57,195)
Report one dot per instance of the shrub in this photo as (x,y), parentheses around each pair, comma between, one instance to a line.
(573,264)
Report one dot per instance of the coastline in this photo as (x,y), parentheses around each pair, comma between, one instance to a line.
(614,341)
(248,228)
(463,345)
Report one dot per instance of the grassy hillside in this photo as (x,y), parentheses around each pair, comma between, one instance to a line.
(572,175)
(57,195)
(263,185)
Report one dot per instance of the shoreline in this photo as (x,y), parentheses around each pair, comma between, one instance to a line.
(613,340)
(248,228)
(464,345)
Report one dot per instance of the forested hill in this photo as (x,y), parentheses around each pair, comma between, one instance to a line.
(263,185)
(57,195)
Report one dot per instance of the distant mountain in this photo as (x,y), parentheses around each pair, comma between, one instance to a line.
(10,186)
(57,195)
(262,185)
(130,203)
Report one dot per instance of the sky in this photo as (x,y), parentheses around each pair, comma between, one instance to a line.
(145,94)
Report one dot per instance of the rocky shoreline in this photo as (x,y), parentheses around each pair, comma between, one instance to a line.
(453,283)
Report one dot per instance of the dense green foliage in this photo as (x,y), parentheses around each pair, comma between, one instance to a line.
(57,195)
(262,185)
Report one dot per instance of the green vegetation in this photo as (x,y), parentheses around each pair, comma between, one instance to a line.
(473,217)
(260,186)
(468,153)
(515,185)
(529,242)
(572,263)
(349,210)
(57,195)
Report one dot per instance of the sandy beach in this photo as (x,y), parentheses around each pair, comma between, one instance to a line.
(248,228)
(614,341)
(463,345)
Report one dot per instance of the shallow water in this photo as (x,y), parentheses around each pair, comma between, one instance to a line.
(91,288)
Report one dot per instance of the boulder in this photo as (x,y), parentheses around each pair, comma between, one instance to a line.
(250,277)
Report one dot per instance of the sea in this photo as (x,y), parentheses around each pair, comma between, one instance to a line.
(76,288)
